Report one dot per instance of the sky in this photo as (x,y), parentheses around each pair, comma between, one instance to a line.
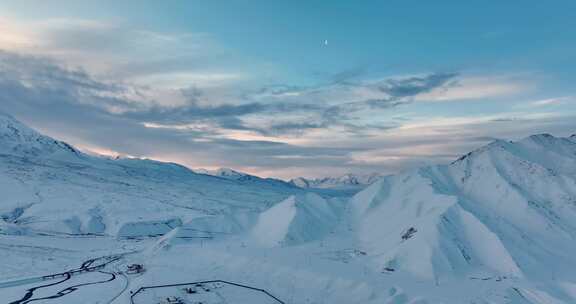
(289,88)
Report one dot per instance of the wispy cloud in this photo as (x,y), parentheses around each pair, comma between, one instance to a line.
(117,51)
(477,87)
(113,88)
(548,102)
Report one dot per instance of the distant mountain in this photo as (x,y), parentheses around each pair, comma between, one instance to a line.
(222,172)
(242,177)
(344,181)
(348,181)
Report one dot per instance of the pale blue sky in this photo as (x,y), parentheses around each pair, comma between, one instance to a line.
(253,85)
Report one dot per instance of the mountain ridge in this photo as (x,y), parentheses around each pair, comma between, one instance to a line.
(19,138)
(231,174)
(343,181)
(71,192)
(497,212)
(495,226)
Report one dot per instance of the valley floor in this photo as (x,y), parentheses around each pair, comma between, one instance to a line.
(328,271)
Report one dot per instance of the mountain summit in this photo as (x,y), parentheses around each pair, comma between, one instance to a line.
(17,138)
(345,181)
(50,187)
(505,212)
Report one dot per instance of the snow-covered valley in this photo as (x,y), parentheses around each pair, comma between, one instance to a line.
(497,225)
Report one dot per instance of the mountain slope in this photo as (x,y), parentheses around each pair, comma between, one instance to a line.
(296,220)
(17,138)
(244,178)
(50,187)
(506,211)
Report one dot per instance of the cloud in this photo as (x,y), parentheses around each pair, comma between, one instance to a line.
(474,88)
(152,71)
(348,76)
(342,102)
(293,111)
(548,102)
(36,80)
(342,90)
(42,81)
(121,52)
(416,85)
(72,105)
(184,97)
(118,118)
(13,37)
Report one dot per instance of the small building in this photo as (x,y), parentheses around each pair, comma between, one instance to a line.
(135,269)
(409,233)
(173,300)
(190,290)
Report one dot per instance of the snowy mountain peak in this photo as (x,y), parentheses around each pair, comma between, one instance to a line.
(17,138)
(346,180)
(300,182)
(223,172)
(295,220)
(547,152)
(496,144)
(10,128)
(543,138)
(227,172)
(245,178)
(477,215)
(542,135)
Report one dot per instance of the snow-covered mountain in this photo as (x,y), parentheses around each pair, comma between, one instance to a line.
(222,172)
(231,174)
(50,187)
(297,219)
(345,181)
(344,185)
(17,138)
(504,213)
(496,226)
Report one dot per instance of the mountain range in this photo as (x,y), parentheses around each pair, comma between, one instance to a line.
(497,225)
(348,180)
